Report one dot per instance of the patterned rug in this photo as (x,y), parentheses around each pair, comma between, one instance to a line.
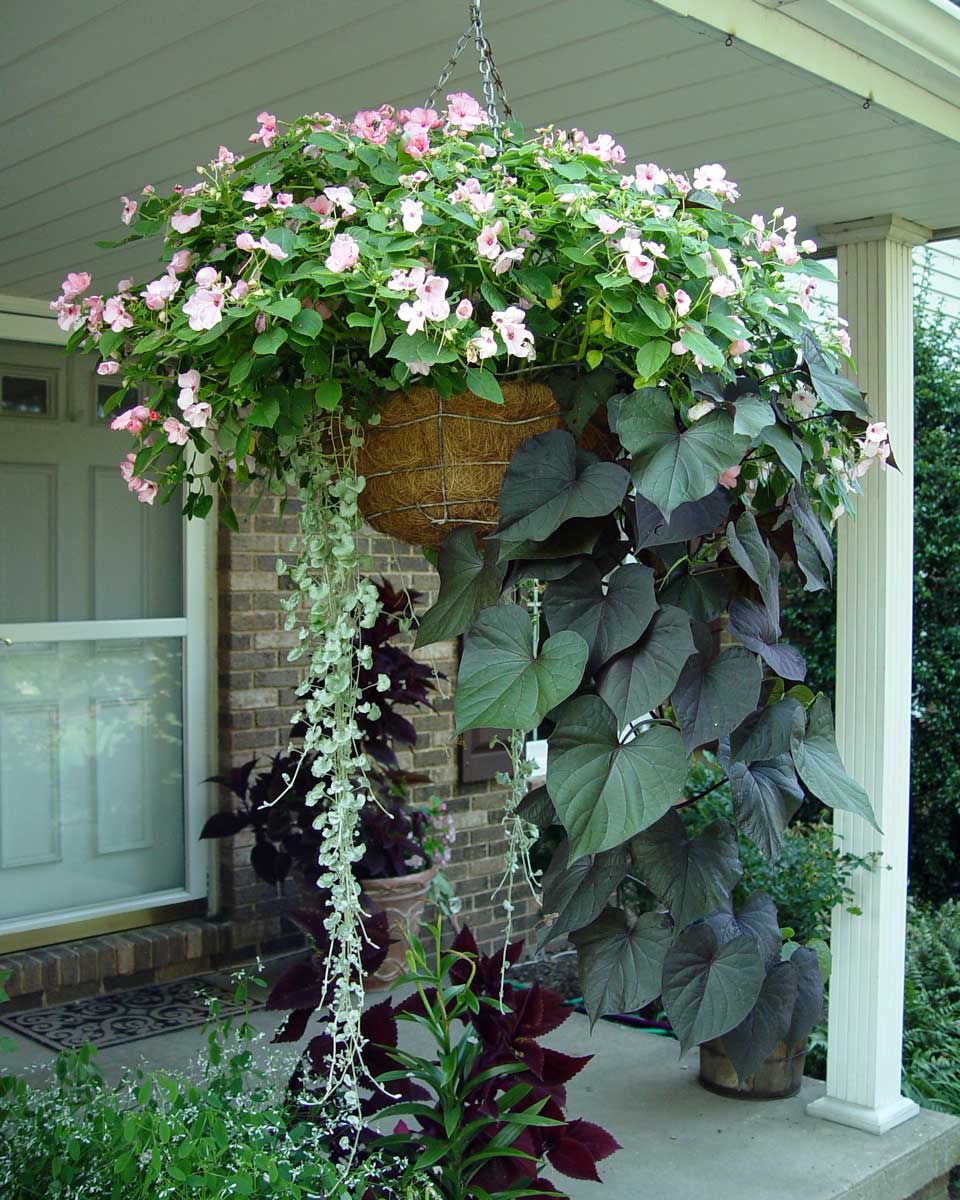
(141,1012)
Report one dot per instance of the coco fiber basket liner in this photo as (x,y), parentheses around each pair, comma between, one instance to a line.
(434,464)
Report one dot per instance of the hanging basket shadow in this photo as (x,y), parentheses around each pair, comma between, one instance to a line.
(434,464)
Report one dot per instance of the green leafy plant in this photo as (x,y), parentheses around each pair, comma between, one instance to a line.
(224,1132)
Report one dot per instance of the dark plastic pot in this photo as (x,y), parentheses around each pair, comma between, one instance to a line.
(778,1077)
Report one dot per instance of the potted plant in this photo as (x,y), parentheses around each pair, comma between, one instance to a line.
(310,288)
(402,846)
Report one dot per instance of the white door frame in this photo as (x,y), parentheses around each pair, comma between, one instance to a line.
(28,320)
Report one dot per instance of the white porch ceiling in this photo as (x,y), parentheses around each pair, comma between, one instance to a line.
(102,97)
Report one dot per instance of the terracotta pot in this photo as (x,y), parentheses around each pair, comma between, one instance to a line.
(778,1077)
(403,898)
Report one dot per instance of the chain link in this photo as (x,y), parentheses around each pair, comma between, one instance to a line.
(494,94)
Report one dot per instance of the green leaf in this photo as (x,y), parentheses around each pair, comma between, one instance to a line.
(270,341)
(469,582)
(492,294)
(571,170)
(692,877)
(707,351)
(548,482)
(578,891)
(752,415)
(327,394)
(286,308)
(819,765)
(484,384)
(240,370)
(378,336)
(307,322)
(651,357)
(636,682)
(608,620)
(709,987)
(621,960)
(715,693)
(419,347)
(604,791)
(658,313)
(672,466)
(537,280)
(765,1026)
(786,449)
(502,683)
(838,393)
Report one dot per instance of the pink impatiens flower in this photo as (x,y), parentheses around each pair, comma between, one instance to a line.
(516,337)
(159,291)
(712,177)
(283,200)
(605,148)
(129,210)
(183,222)
(115,314)
(488,245)
(464,310)
(344,253)
(246,241)
(803,402)
(639,265)
(179,262)
(197,414)
(417,143)
(267,131)
(259,195)
(606,224)
(177,433)
(108,368)
(507,258)
(482,345)
(411,212)
(134,419)
(464,113)
(648,176)
(343,198)
(147,491)
(728,478)
(75,284)
(205,308)
(374,126)
(272,249)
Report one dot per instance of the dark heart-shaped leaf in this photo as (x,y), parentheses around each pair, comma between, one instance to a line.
(469,582)
(578,891)
(752,627)
(713,695)
(225,824)
(780,440)
(809,1006)
(709,987)
(703,594)
(758,915)
(767,733)
(752,415)
(605,791)
(834,390)
(641,678)
(550,481)
(766,795)
(692,877)
(747,548)
(502,683)
(621,960)
(814,552)
(687,521)
(573,539)
(819,765)
(672,466)
(537,808)
(767,1023)
(608,621)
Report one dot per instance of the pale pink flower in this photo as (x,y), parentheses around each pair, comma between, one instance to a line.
(413,179)
(344,253)
(507,258)
(69,316)
(373,126)
(464,112)
(260,322)
(843,337)
(246,241)
(737,347)
(639,265)
(108,368)
(412,213)
(648,176)
(94,312)
(414,314)
(876,433)
(129,210)
(124,285)
(272,249)
(419,368)
(177,433)
(207,277)
(712,177)
(183,222)
(655,249)
(197,414)
(808,246)
(723,286)
(803,402)
(240,290)
(606,224)
(787,251)
(728,478)
(605,148)
(406,281)
(116,315)
(681,183)
(204,308)
(516,337)
(487,244)
(662,292)
(432,293)
(159,291)
(225,158)
(343,198)
(259,195)
(464,310)
(482,202)
(417,143)
(321,205)
(189,379)
(134,419)
(419,118)
(267,131)
(526,235)
(283,200)
(482,345)
(147,491)
(126,471)
(805,291)
(75,284)
(179,262)
(678,348)
(464,190)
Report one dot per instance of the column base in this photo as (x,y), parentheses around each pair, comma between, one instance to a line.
(858,1116)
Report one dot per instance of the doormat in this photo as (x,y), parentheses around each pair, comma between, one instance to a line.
(128,1016)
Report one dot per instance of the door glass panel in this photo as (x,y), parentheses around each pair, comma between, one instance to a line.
(91,773)
(25,395)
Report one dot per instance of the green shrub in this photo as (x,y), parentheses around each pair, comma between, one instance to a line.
(931,1035)
(165,1136)
(809,619)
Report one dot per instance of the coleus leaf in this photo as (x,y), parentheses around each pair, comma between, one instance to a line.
(578,891)
(752,627)
(819,765)
(638,680)
(690,520)
(620,956)
(605,791)
(608,620)
(672,466)
(502,683)
(766,795)
(751,1042)
(714,694)
(833,389)
(550,481)
(469,581)
(692,877)
(709,986)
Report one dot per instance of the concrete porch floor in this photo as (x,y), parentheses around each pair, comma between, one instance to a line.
(679,1141)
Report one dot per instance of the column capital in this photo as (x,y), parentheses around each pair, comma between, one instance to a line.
(889,228)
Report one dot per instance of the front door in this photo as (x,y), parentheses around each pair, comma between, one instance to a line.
(94,818)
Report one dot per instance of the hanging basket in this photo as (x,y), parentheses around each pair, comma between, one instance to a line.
(434,464)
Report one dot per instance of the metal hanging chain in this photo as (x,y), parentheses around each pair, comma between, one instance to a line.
(494,93)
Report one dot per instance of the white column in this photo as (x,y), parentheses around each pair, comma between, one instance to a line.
(874,650)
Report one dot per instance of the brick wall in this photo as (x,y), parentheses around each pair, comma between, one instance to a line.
(257,699)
